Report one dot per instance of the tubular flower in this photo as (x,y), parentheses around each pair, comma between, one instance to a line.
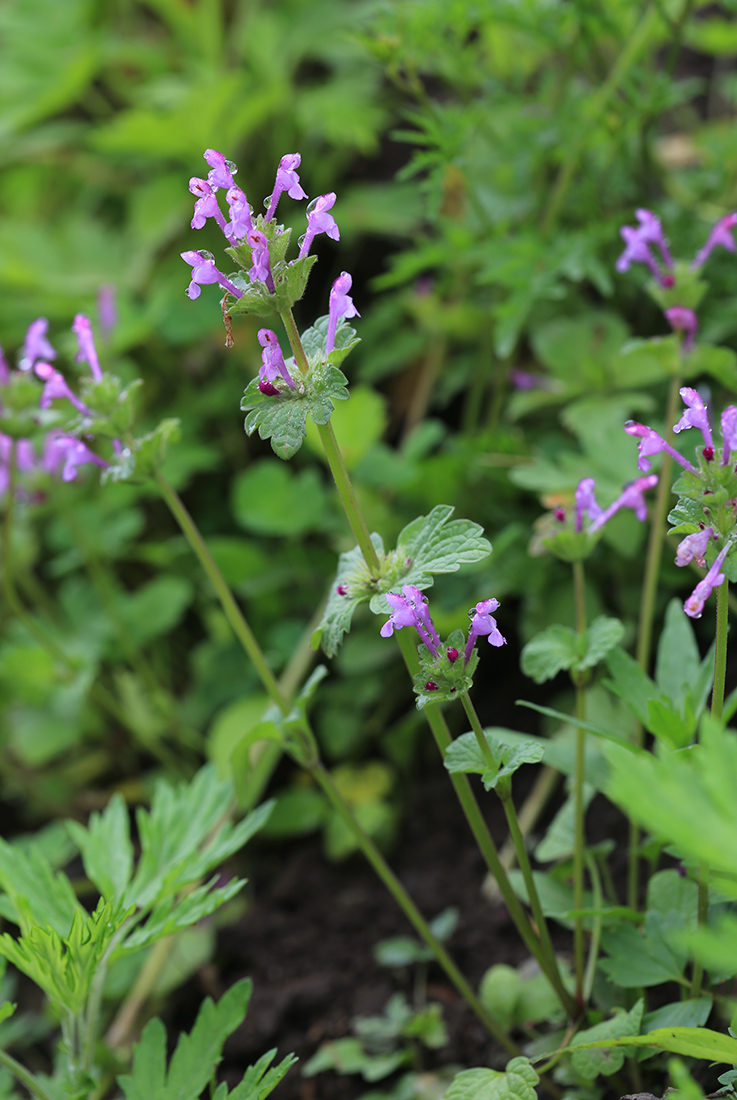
(652,444)
(720,236)
(341,305)
(694,605)
(221,170)
(241,222)
(693,547)
(205,272)
(683,320)
(273,365)
(586,503)
(206,206)
(261,265)
(695,415)
(410,609)
(86,343)
(286,180)
(632,496)
(638,244)
(67,453)
(319,221)
(56,388)
(729,432)
(483,623)
(36,346)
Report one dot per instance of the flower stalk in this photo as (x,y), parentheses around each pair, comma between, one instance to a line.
(579,840)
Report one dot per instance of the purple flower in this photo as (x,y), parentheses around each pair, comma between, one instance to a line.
(410,609)
(694,605)
(652,444)
(222,170)
(729,432)
(240,214)
(683,320)
(206,206)
(695,416)
(273,365)
(68,453)
(205,272)
(319,221)
(721,235)
(693,547)
(106,309)
(56,388)
(82,329)
(341,305)
(261,269)
(36,346)
(4,369)
(25,458)
(632,496)
(286,180)
(483,622)
(638,242)
(586,503)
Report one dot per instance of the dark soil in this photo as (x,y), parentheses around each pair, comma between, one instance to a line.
(308,936)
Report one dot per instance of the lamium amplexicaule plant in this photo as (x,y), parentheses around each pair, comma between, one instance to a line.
(581,1010)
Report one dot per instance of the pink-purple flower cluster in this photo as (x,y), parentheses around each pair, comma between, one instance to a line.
(60,452)
(410,609)
(239,226)
(589,516)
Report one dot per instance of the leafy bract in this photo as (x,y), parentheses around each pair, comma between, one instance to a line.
(559,647)
(429,544)
(464,755)
(37,894)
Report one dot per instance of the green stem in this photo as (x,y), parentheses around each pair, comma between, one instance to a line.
(594,106)
(25,1077)
(579,840)
(720,651)
(335,461)
(596,890)
(481,833)
(476,726)
(233,613)
(408,907)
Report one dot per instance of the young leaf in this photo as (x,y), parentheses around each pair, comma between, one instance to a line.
(107,851)
(552,651)
(693,1042)
(600,638)
(38,895)
(591,1063)
(197,1054)
(516,1083)
(436,544)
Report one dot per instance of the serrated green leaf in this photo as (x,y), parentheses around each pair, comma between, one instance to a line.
(352,586)
(38,895)
(281,419)
(259,1080)
(197,1054)
(107,851)
(173,916)
(591,1063)
(552,651)
(631,683)
(600,638)
(436,544)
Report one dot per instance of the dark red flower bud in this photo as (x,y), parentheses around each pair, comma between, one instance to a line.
(708,453)
(430,686)
(267,388)
(560,514)
(341,589)
(452,654)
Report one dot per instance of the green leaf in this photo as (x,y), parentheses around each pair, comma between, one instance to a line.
(436,544)
(516,1083)
(107,851)
(38,895)
(630,683)
(719,362)
(549,653)
(197,1054)
(571,720)
(171,916)
(601,638)
(678,657)
(591,1063)
(279,418)
(499,993)
(270,499)
(259,1080)
(693,1042)
(634,959)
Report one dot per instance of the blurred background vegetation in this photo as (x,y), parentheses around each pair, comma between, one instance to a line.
(484,156)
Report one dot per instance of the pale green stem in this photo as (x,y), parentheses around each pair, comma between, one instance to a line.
(720,650)
(335,461)
(702,916)
(25,1077)
(409,908)
(579,840)
(233,613)
(593,107)
(597,898)
(478,731)
(650,580)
